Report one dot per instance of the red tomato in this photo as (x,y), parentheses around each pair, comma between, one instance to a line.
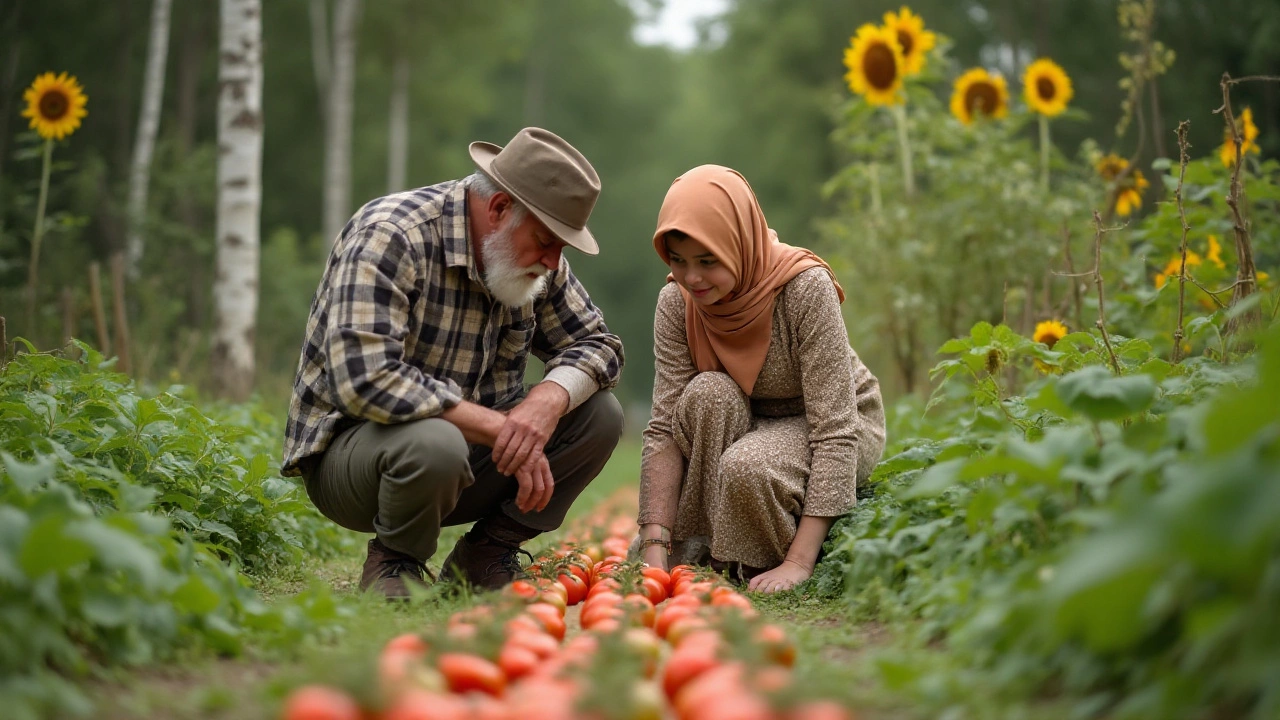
(464,672)
(422,705)
(553,598)
(683,626)
(596,613)
(663,621)
(654,590)
(575,587)
(317,702)
(523,589)
(583,573)
(517,661)
(639,609)
(686,664)
(550,617)
(706,688)
(819,710)
(616,546)
(658,574)
(604,585)
(542,644)
(411,642)
(777,645)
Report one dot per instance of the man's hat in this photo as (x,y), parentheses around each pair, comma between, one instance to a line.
(548,176)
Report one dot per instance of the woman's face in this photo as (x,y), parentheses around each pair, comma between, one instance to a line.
(697,269)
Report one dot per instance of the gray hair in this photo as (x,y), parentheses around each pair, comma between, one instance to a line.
(483,186)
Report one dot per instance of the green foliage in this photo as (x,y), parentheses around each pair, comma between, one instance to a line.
(116,514)
(216,482)
(1107,536)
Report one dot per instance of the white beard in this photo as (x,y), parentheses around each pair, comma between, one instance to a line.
(508,283)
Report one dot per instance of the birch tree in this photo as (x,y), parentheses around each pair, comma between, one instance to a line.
(235,285)
(148,125)
(338,117)
(398,123)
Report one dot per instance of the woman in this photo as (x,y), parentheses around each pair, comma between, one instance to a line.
(764,419)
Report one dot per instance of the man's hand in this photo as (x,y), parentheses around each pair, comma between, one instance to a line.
(528,427)
(536,484)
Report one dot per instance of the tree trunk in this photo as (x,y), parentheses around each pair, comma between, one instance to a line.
(235,286)
(193,44)
(398,131)
(320,64)
(341,107)
(148,125)
(124,73)
(9,36)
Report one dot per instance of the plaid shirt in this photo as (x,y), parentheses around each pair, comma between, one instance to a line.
(402,327)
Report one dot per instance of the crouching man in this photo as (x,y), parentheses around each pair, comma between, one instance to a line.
(409,411)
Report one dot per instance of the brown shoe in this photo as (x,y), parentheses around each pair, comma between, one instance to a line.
(387,571)
(487,557)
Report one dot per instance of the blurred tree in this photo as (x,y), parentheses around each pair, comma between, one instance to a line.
(148,127)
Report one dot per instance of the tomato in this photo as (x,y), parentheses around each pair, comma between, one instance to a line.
(654,590)
(603,569)
(411,642)
(606,626)
(680,572)
(616,546)
(517,661)
(604,585)
(575,587)
(683,626)
(662,623)
(646,645)
(553,598)
(423,705)
(596,613)
(524,623)
(736,601)
(523,589)
(639,609)
(550,617)
(686,664)
(594,552)
(646,701)
(606,597)
(658,574)
(777,645)
(743,706)
(542,644)
(318,702)
(461,631)
(400,669)
(464,672)
(485,707)
(706,688)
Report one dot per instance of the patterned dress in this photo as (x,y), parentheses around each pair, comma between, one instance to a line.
(812,428)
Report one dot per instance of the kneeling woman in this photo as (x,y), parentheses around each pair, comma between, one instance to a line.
(764,419)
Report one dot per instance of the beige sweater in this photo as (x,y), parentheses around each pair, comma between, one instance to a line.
(810,370)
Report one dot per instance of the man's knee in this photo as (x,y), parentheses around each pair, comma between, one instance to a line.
(432,448)
(605,419)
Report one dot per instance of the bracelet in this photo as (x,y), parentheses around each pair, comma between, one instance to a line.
(656,541)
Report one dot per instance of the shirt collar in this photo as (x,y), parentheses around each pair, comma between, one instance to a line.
(456,233)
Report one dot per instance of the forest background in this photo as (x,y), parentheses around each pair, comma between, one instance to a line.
(761,91)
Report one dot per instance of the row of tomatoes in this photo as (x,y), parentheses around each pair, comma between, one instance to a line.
(655,645)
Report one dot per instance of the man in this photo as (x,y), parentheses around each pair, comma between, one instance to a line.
(408,410)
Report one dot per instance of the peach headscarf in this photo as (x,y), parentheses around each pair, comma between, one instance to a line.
(715,206)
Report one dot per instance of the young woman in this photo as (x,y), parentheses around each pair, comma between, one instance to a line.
(764,419)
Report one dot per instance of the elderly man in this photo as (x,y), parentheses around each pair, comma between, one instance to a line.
(409,411)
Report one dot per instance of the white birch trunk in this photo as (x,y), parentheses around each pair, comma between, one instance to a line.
(337,151)
(235,285)
(398,131)
(148,126)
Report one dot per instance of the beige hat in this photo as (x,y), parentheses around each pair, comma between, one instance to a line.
(548,176)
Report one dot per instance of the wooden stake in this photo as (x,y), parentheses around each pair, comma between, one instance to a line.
(119,316)
(99,313)
(4,343)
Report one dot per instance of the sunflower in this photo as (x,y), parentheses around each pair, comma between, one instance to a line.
(1046,87)
(1049,332)
(1247,130)
(979,92)
(1215,252)
(915,41)
(1172,268)
(874,59)
(1129,194)
(55,104)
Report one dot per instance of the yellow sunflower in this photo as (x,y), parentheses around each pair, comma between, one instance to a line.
(55,104)
(1175,263)
(1248,131)
(1129,194)
(1046,87)
(978,92)
(1049,332)
(1110,166)
(874,59)
(915,41)
(1215,252)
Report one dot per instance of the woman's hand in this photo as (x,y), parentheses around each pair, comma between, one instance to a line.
(784,577)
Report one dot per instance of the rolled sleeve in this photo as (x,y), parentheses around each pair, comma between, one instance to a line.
(571,332)
(368,320)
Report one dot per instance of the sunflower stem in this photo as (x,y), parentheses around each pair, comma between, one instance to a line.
(1044,153)
(904,148)
(33,270)
(873,173)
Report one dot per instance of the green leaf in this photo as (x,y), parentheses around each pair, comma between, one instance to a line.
(28,476)
(1097,394)
(935,480)
(194,596)
(51,548)
(119,550)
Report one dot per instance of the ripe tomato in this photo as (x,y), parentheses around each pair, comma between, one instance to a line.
(683,626)
(423,705)
(318,702)
(517,661)
(411,642)
(553,598)
(616,546)
(593,551)
(575,587)
(596,613)
(583,572)
(662,623)
(658,574)
(819,710)
(550,617)
(654,590)
(778,646)
(542,644)
(706,688)
(523,589)
(686,664)
(604,585)
(464,672)
(639,609)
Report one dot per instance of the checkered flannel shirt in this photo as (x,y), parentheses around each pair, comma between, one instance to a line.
(402,327)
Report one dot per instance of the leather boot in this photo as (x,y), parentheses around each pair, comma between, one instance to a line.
(387,571)
(487,557)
